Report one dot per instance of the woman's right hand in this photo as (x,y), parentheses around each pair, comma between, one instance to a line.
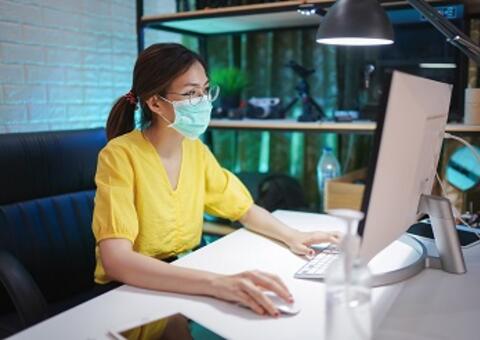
(247,288)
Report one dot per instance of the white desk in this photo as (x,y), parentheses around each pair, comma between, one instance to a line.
(411,317)
(437,305)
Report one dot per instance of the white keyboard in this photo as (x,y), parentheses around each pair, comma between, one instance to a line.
(317,267)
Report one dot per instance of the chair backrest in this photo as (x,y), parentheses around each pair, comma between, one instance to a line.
(280,191)
(46,203)
(41,164)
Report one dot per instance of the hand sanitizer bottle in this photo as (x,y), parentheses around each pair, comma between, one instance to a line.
(348,287)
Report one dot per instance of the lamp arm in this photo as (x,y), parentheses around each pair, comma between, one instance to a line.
(454,35)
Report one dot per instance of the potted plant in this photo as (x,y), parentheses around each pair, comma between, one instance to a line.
(231,81)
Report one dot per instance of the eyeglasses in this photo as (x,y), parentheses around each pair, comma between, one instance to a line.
(197,96)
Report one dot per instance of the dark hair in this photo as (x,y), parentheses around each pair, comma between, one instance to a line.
(155,69)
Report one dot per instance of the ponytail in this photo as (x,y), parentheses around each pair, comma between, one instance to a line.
(121,119)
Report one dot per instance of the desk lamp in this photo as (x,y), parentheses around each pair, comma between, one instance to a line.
(365,23)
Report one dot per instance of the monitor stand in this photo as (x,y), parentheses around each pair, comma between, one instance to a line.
(450,257)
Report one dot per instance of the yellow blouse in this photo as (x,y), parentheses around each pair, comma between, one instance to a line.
(135,200)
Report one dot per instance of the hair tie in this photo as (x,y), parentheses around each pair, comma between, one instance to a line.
(131,98)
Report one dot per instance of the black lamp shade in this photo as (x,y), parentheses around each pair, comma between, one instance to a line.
(355,22)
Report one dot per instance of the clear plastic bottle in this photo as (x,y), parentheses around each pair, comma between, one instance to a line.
(328,167)
(348,294)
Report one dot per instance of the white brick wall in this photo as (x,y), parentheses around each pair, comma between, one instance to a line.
(64,62)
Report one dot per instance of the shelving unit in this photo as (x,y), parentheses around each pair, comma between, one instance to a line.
(257,18)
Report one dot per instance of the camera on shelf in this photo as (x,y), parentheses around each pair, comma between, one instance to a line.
(264,108)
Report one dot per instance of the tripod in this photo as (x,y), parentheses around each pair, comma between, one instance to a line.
(311,110)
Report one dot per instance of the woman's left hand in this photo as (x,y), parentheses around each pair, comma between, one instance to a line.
(300,242)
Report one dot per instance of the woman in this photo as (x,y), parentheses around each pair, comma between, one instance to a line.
(153,186)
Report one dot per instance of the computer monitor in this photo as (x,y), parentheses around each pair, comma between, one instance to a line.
(404,161)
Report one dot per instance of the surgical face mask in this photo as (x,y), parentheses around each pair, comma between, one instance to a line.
(191,119)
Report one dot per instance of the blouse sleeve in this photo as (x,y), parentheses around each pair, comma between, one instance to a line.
(226,196)
(114,214)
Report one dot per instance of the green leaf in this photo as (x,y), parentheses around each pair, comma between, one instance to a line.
(231,80)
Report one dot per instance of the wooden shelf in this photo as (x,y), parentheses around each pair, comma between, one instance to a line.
(235,19)
(292,125)
(462,128)
(246,18)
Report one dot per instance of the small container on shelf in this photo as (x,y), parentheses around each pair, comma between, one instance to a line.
(472,106)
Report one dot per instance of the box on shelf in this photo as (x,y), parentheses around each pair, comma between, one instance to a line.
(343,193)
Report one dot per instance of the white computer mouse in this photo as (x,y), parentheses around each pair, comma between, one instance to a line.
(282,305)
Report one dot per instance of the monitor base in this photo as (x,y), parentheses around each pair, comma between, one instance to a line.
(406,271)
(450,257)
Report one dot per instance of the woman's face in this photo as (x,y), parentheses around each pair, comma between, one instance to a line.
(193,83)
